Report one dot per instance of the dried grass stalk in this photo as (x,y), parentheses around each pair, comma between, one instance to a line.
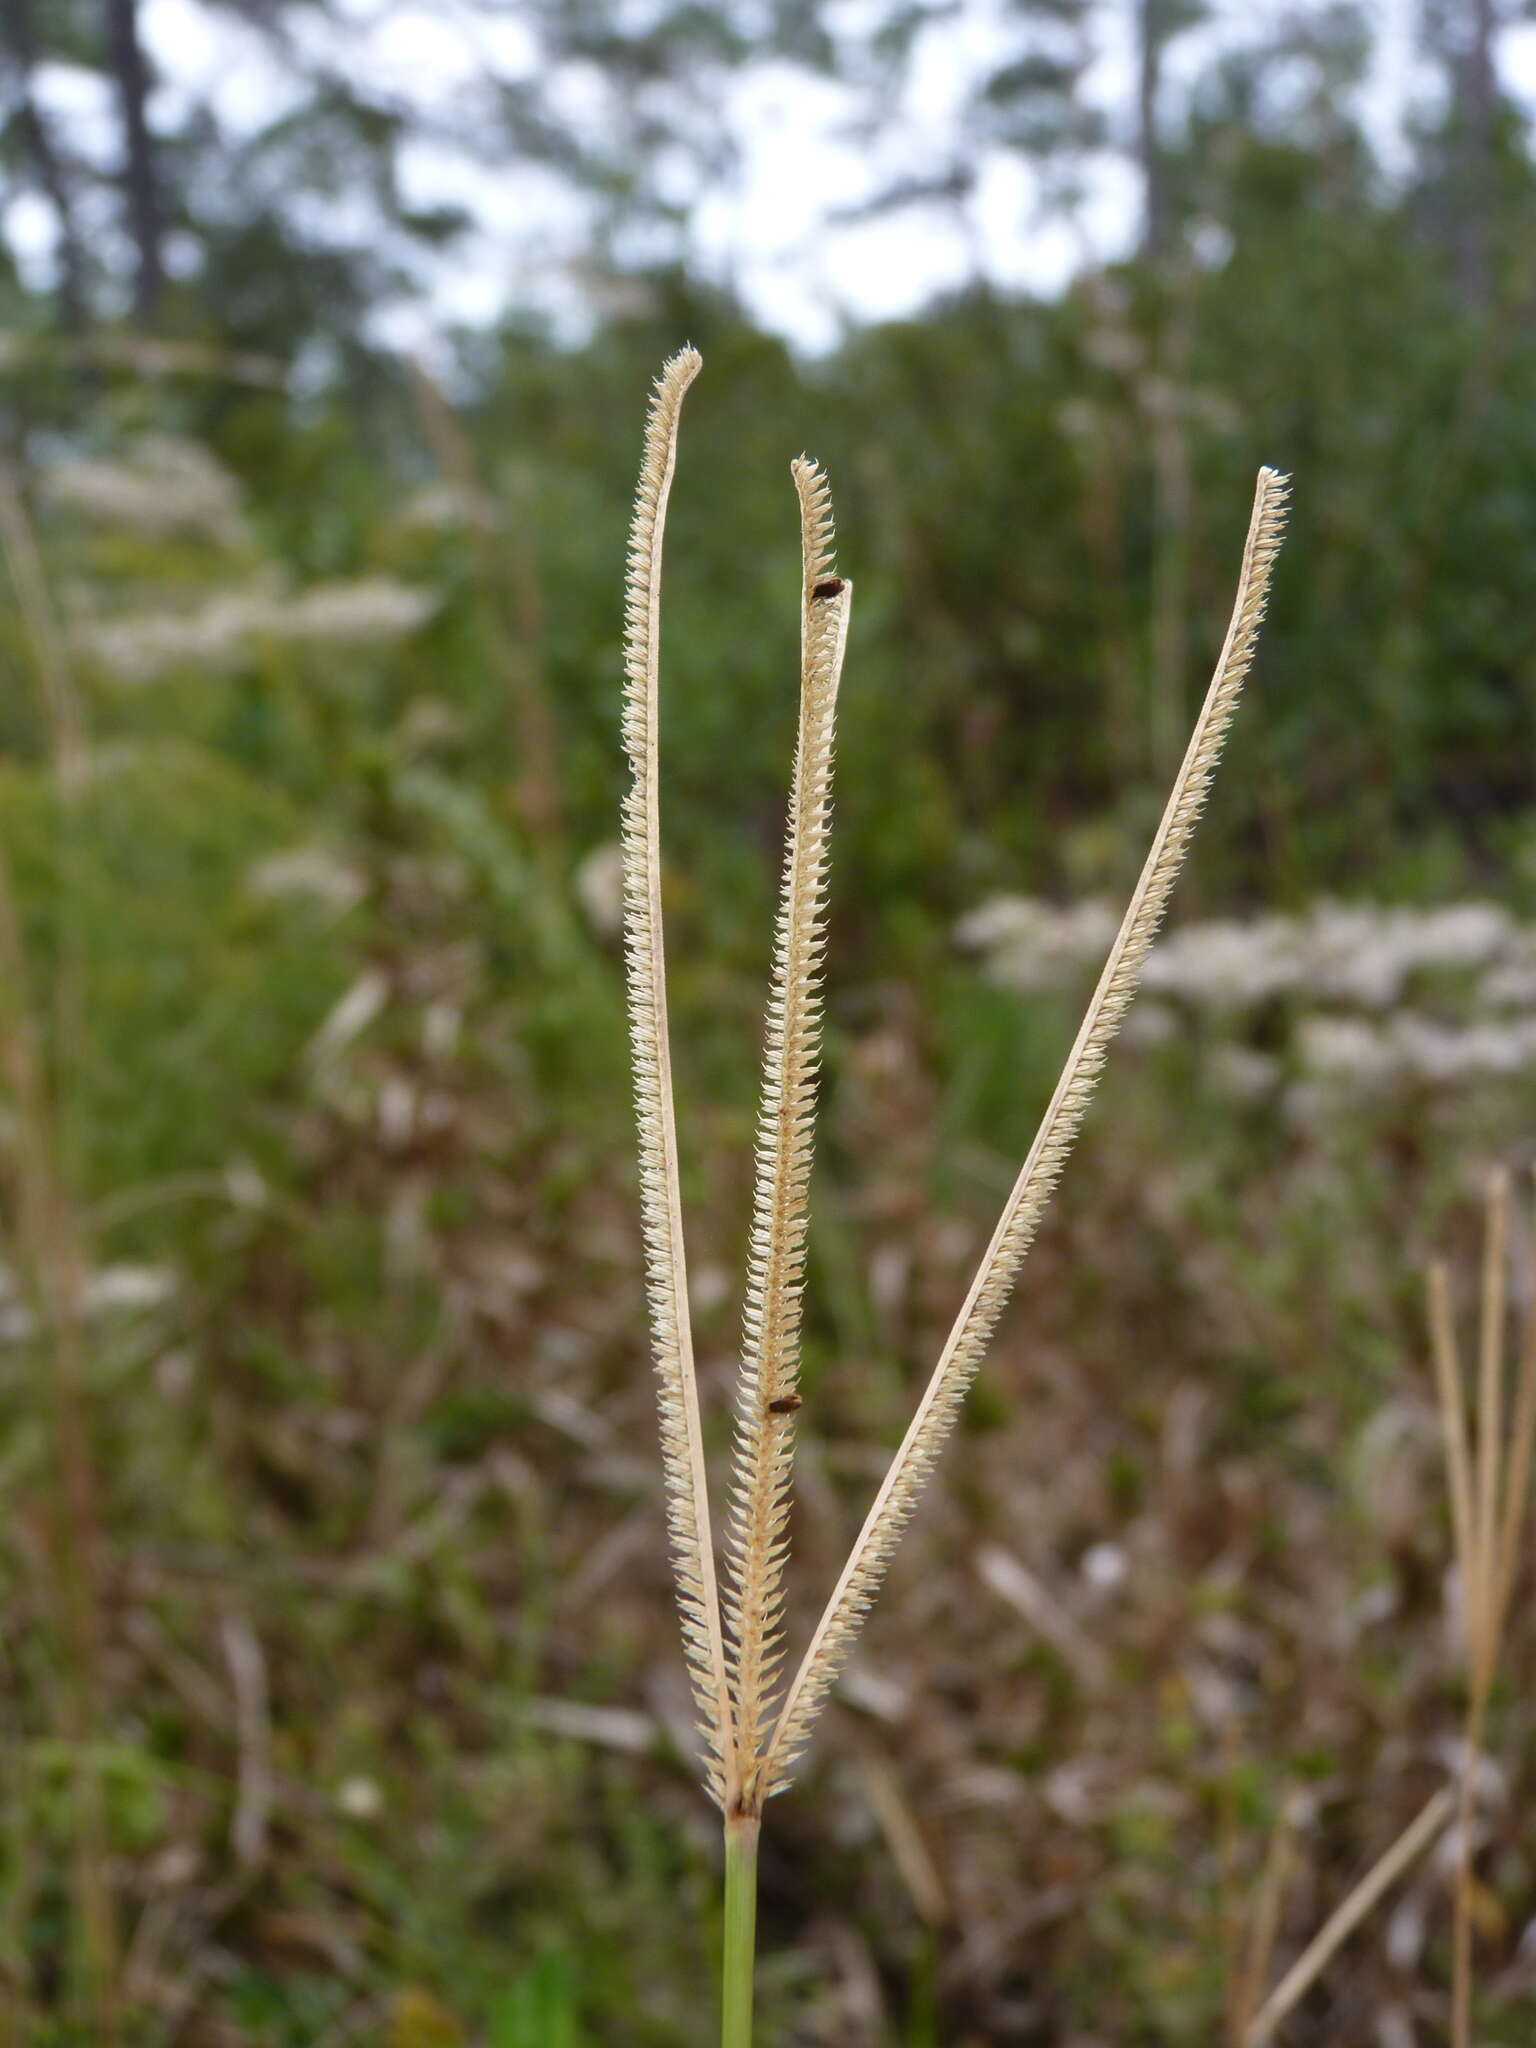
(1490,1421)
(1489,1481)
(1487,1477)
(1453,1421)
(1522,1432)
(1429,1823)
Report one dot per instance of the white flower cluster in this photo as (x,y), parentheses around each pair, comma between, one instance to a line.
(1414,1048)
(312,871)
(220,633)
(1351,977)
(1359,953)
(367,612)
(162,487)
(1037,946)
(1510,982)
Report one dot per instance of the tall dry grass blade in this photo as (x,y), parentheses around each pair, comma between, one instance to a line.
(767,1396)
(52,1266)
(1499,1480)
(1341,1924)
(64,715)
(968,1339)
(1453,1423)
(1488,1481)
(1264,1928)
(1490,1420)
(61,695)
(52,1245)
(682,1441)
(1522,1439)
(1264,1924)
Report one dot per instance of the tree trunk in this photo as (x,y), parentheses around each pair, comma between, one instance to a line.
(20,46)
(1474,115)
(1150,33)
(140,185)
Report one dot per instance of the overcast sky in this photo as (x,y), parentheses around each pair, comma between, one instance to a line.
(767,232)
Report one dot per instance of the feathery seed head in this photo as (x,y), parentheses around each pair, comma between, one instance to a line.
(767,1399)
(734,1654)
(682,1440)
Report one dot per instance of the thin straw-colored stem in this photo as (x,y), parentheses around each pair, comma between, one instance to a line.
(682,1440)
(1490,1423)
(1336,1930)
(1518,1480)
(48,1226)
(1461,1919)
(739,1955)
(1453,1423)
(61,695)
(1471,1478)
(962,1354)
(767,1396)
(1264,1928)
(64,716)
(1500,1480)
(53,1266)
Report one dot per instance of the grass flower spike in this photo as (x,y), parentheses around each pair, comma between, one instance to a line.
(767,1400)
(735,1648)
(682,1441)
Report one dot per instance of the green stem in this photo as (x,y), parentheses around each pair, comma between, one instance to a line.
(741,1833)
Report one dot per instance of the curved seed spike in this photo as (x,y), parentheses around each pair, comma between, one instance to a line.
(766,1398)
(682,1443)
(962,1353)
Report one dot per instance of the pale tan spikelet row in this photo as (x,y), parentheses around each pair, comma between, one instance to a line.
(682,1443)
(962,1353)
(765,1417)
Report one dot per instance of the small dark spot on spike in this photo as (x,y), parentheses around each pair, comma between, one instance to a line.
(785,1405)
(829,586)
